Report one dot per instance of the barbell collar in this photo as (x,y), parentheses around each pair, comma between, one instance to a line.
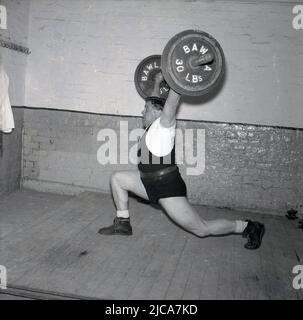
(207,58)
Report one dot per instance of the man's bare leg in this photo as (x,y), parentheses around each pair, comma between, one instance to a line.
(124,181)
(180,211)
(121,183)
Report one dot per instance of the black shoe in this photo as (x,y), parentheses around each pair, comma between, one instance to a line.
(121,226)
(254,232)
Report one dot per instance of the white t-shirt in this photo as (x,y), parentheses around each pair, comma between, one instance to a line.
(160,140)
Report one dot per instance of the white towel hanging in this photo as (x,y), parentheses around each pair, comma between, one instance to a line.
(7,123)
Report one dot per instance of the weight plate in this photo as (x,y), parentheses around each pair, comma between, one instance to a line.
(179,63)
(145,76)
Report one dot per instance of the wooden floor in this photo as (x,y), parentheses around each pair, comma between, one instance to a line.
(49,243)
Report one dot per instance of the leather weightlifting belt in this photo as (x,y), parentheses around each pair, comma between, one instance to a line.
(159,173)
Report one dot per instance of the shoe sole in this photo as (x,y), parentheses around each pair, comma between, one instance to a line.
(260,238)
(115,234)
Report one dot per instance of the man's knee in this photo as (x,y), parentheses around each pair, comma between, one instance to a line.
(115,178)
(202,230)
(122,179)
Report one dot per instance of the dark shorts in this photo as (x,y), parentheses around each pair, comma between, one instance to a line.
(166,186)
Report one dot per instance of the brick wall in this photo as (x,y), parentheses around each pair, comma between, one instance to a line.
(246,167)
(74,44)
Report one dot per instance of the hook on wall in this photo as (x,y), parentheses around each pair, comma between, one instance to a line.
(13,46)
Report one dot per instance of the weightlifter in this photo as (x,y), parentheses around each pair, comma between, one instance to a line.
(159,181)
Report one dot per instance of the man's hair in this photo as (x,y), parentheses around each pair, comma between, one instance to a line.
(157,102)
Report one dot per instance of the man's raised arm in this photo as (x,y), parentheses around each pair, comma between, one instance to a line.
(168,116)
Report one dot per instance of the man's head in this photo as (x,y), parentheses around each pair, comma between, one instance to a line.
(152,110)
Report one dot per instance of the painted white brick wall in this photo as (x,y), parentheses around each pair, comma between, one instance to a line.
(84,54)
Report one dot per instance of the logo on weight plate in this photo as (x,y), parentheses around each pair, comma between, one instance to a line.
(297,22)
(3,17)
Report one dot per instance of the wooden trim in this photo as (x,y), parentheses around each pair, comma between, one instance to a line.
(37,294)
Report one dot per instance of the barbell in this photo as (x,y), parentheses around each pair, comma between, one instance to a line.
(192,64)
